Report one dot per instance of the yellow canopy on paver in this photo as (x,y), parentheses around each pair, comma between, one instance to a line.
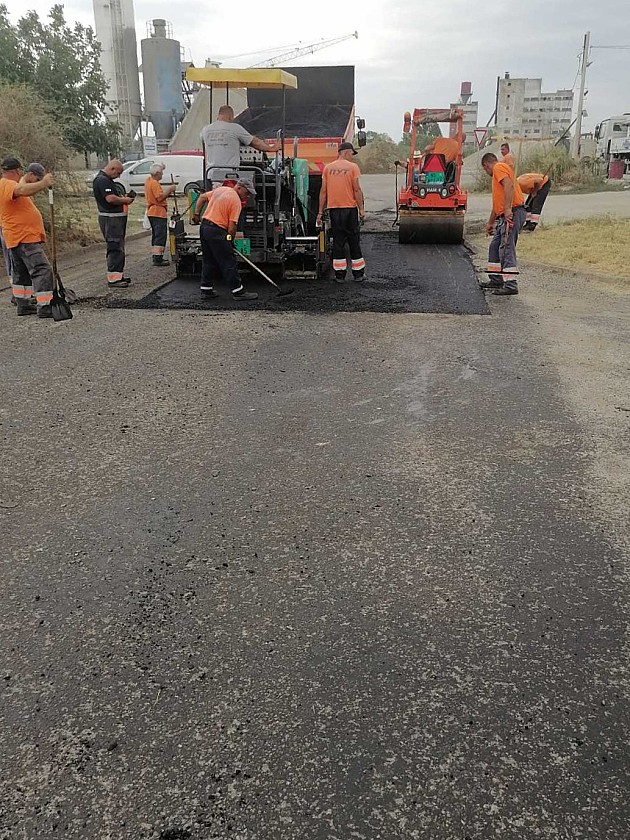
(226,77)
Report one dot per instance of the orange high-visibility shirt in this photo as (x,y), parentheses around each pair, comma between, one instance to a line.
(446,146)
(224,206)
(157,202)
(500,172)
(528,181)
(20,219)
(340,176)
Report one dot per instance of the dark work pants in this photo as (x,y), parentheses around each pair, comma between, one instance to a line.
(158,236)
(534,206)
(218,258)
(32,273)
(345,229)
(113,229)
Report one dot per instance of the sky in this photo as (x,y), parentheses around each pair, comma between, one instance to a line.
(410,53)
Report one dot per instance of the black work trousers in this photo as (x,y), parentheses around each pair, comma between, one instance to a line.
(113,229)
(158,235)
(218,258)
(345,230)
(534,206)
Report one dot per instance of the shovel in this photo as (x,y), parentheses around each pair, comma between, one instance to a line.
(60,300)
(281,292)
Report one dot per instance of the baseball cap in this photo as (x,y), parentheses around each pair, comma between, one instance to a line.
(36,169)
(243,182)
(10,163)
(343,147)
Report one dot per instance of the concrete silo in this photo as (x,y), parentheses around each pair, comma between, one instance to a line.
(162,79)
(116,30)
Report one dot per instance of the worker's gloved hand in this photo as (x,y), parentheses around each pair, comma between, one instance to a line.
(319,221)
(195,219)
(362,218)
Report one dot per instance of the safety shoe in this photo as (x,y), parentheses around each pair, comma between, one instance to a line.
(25,307)
(160,261)
(208,292)
(508,288)
(358,278)
(245,295)
(494,282)
(119,284)
(44,311)
(340,278)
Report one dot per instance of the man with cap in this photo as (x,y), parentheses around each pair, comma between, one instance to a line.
(342,195)
(218,228)
(112,204)
(23,232)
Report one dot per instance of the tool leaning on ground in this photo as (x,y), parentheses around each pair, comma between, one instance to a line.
(62,297)
(281,292)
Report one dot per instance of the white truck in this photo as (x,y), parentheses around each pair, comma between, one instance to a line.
(613,144)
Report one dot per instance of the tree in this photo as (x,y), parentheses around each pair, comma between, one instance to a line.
(27,131)
(378,156)
(62,64)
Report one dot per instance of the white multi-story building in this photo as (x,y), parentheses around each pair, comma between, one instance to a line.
(525,110)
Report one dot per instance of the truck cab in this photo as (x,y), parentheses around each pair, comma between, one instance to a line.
(613,137)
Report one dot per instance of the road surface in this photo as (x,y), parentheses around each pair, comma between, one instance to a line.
(311,576)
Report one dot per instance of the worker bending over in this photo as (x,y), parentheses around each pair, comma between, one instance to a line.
(23,231)
(223,140)
(506,220)
(157,204)
(536,187)
(217,231)
(342,195)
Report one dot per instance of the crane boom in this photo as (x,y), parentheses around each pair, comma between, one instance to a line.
(299,51)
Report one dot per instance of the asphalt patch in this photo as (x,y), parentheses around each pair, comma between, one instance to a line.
(399,278)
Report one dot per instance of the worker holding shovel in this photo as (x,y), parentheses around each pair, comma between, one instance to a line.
(156,197)
(506,220)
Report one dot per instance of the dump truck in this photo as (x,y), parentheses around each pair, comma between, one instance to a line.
(309,111)
(431,204)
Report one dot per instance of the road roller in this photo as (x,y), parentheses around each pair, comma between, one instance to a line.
(431,204)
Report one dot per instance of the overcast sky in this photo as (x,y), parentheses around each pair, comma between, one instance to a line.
(410,53)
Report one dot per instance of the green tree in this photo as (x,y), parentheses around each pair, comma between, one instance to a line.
(61,63)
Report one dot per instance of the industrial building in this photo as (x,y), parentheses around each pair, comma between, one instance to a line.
(525,110)
(471,113)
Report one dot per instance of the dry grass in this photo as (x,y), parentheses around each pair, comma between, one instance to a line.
(600,245)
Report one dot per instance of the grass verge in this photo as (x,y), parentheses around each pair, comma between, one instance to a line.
(599,245)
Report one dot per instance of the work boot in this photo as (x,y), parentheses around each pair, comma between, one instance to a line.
(245,295)
(119,284)
(44,311)
(359,277)
(340,277)
(160,261)
(495,281)
(510,287)
(208,292)
(25,307)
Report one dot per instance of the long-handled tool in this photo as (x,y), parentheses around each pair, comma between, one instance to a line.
(60,300)
(281,292)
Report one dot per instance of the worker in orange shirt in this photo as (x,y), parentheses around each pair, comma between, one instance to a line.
(507,156)
(157,203)
(217,231)
(449,148)
(23,231)
(506,220)
(342,195)
(536,187)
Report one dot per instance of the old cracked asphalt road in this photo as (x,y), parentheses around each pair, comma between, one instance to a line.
(299,577)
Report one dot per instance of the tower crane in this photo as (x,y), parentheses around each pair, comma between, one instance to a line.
(299,51)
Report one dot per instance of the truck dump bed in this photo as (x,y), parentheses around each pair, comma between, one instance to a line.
(320,113)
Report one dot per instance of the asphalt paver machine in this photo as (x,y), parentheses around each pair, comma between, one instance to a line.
(432,204)
(276,227)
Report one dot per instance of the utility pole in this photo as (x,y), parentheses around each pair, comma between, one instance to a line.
(575,148)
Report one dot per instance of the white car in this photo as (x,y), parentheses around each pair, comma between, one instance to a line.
(185,170)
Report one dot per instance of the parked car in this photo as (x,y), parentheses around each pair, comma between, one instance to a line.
(185,170)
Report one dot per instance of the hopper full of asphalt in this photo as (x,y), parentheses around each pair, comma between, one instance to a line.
(421,278)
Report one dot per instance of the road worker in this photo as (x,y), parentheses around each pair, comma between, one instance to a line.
(449,148)
(24,235)
(536,187)
(217,231)
(223,140)
(342,195)
(507,156)
(112,204)
(157,202)
(506,220)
